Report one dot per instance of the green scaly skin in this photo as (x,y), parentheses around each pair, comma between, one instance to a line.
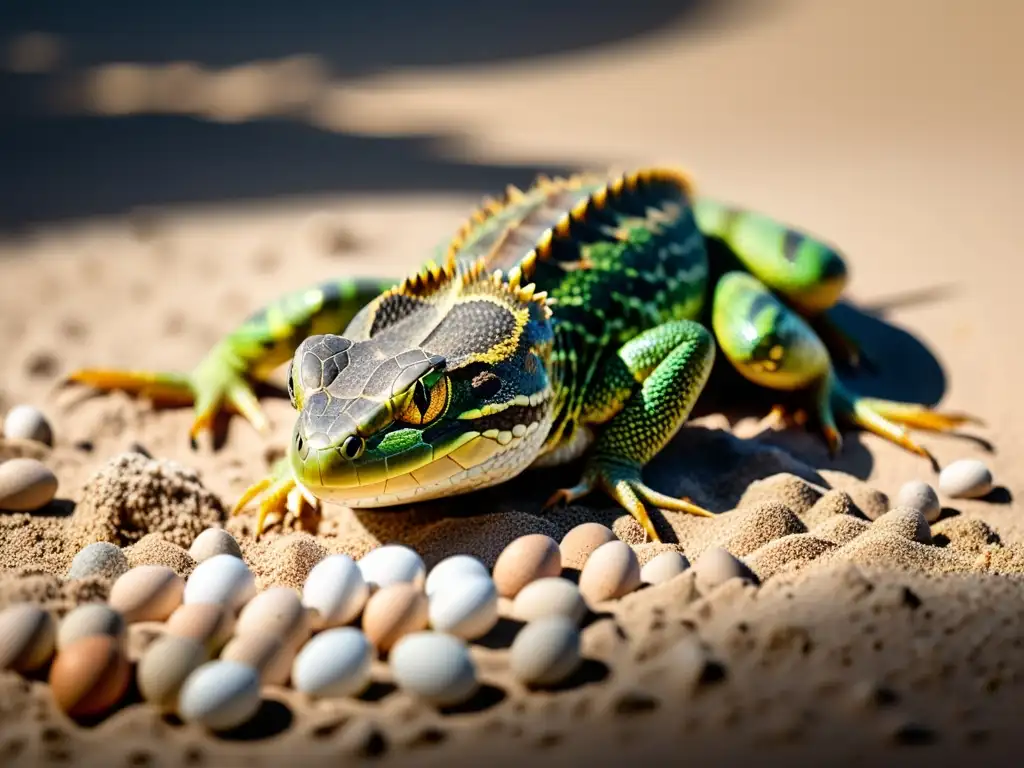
(577,317)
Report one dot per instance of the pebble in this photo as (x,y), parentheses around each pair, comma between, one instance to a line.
(223,580)
(336,590)
(91,619)
(965,479)
(100,558)
(466,607)
(90,676)
(394,611)
(26,485)
(267,653)
(207,623)
(213,542)
(452,569)
(26,422)
(546,651)
(579,542)
(164,667)
(392,564)
(28,637)
(922,497)
(147,593)
(612,570)
(528,558)
(551,596)
(276,611)
(334,664)
(220,695)
(716,566)
(663,567)
(435,667)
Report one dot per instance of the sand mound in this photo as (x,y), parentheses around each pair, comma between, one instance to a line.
(133,495)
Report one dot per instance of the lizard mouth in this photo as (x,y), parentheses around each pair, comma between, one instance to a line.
(467,462)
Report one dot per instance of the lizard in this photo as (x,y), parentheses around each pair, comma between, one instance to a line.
(579,317)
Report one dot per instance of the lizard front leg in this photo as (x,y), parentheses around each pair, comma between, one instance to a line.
(223,380)
(645,394)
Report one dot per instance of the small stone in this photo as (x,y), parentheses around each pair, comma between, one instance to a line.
(922,497)
(214,541)
(966,479)
(25,422)
(99,559)
(717,566)
(26,485)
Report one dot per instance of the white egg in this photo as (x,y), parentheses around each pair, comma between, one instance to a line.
(966,479)
(546,651)
(220,695)
(392,564)
(663,567)
(550,596)
(434,667)
(91,619)
(336,590)
(453,568)
(466,607)
(221,580)
(334,664)
(26,422)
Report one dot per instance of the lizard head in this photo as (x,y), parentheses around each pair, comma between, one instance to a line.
(423,409)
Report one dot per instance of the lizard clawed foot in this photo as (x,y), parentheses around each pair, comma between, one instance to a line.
(213,387)
(624,484)
(281,495)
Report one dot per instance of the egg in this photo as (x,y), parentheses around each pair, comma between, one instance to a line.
(466,607)
(663,567)
(208,623)
(920,496)
(212,542)
(546,651)
(716,566)
(435,667)
(579,542)
(91,619)
(100,558)
(220,695)
(223,580)
(394,611)
(26,485)
(334,664)
(277,611)
(336,590)
(611,571)
(551,596)
(147,593)
(392,564)
(165,665)
(528,558)
(452,569)
(267,653)
(90,676)
(966,479)
(25,422)
(28,636)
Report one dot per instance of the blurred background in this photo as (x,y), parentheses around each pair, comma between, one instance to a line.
(164,164)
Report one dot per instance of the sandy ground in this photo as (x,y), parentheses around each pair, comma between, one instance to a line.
(889,127)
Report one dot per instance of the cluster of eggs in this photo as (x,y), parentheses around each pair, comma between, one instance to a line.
(221,640)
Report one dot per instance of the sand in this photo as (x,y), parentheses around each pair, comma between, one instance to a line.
(873,639)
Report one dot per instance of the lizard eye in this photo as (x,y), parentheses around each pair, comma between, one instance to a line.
(291,385)
(353,447)
(429,400)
